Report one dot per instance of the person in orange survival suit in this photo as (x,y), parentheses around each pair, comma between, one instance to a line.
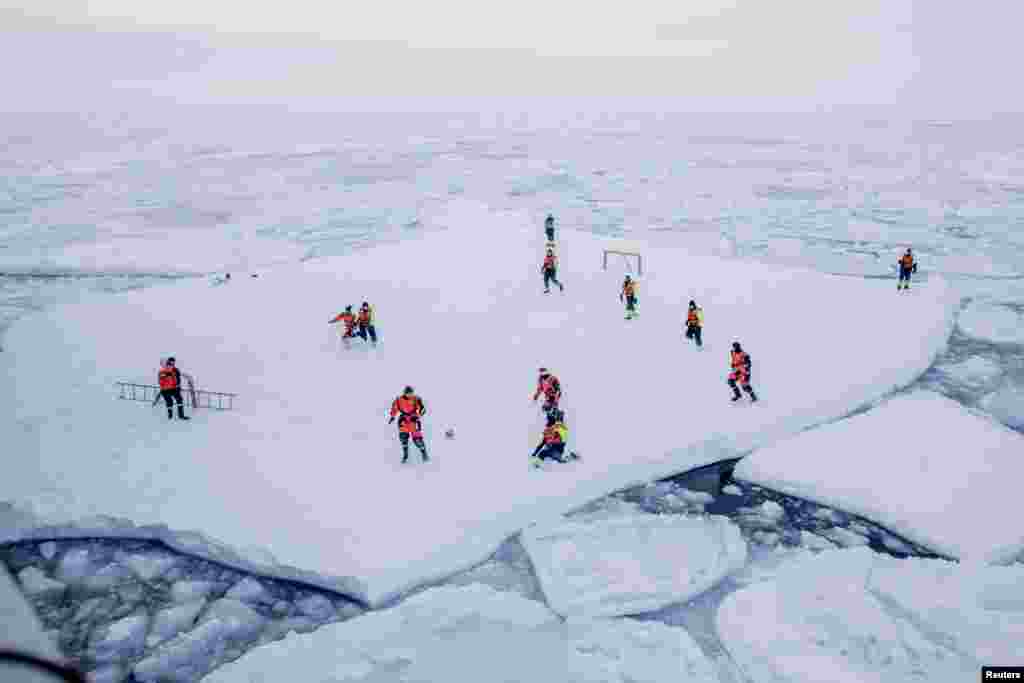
(552,444)
(409,408)
(365,321)
(740,362)
(550,272)
(170,388)
(907,266)
(348,319)
(548,385)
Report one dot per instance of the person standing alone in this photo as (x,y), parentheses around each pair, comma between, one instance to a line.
(409,408)
(169,378)
(695,323)
(549,228)
(907,266)
(740,364)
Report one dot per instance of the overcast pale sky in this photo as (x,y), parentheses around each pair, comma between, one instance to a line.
(744,54)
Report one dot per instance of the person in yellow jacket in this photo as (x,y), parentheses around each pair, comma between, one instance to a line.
(552,444)
(695,323)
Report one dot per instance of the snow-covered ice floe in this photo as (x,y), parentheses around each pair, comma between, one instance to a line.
(992,322)
(474,633)
(976,371)
(921,465)
(1007,405)
(306,466)
(633,563)
(857,616)
(156,253)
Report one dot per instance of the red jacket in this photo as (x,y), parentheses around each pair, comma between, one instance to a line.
(740,365)
(549,386)
(410,408)
(346,318)
(169,378)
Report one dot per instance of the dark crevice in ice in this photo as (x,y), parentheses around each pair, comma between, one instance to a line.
(121,609)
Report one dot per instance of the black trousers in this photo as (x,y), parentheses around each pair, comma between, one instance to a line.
(555,451)
(550,276)
(693,332)
(170,397)
(905,274)
(403,437)
(362,331)
(630,302)
(550,404)
(550,232)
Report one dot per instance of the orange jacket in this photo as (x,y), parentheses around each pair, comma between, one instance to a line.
(411,408)
(365,316)
(550,263)
(629,288)
(740,365)
(907,261)
(168,378)
(347,318)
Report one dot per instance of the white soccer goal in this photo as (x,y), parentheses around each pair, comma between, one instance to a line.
(628,251)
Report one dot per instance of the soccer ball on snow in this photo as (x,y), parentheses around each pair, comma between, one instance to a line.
(449,433)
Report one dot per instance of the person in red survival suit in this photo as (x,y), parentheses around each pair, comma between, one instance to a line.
(739,361)
(169,379)
(548,385)
(409,408)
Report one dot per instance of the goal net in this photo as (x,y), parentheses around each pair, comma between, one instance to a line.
(623,254)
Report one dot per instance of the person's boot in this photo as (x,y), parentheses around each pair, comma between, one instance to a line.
(181,414)
(561,287)
(423,452)
(736,395)
(753,396)
(170,414)
(405,455)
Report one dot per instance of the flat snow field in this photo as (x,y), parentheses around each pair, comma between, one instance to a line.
(921,465)
(305,471)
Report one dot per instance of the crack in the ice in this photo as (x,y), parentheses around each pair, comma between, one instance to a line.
(896,611)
